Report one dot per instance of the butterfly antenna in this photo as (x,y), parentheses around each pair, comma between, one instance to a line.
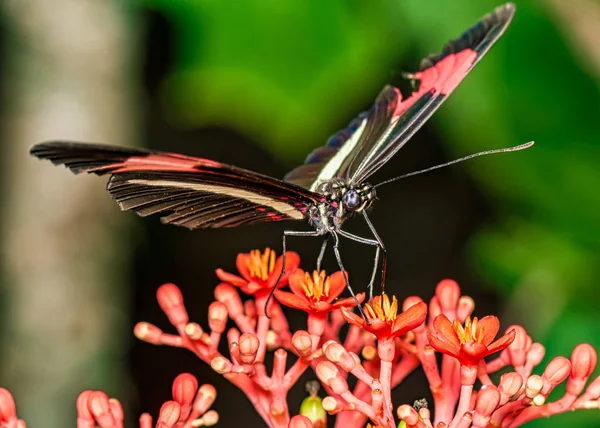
(474,155)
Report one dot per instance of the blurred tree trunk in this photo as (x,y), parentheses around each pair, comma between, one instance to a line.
(68,74)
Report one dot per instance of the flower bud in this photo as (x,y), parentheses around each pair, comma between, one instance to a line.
(583,359)
(302,343)
(229,296)
(487,402)
(83,412)
(8,409)
(209,419)
(205,398)
(337,354)
(332,405)
(169,414)
(466,306)
(217,317)
(533,386)
(116,409)
(556,372)
(510,385)
(99,407)
(193,331)
(171,302)
(329,374)
(184,388)
(408,415)
(148,333)
(248,346)
(221,365)
(448,293)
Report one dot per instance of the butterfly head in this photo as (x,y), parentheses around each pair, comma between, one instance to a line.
(356,199)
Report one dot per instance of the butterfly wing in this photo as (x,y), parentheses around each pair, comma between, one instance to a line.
(186,191)
(354,153)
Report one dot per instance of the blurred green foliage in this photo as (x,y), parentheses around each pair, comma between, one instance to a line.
(285,72)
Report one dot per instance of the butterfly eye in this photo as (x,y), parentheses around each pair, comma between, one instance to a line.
(352,200)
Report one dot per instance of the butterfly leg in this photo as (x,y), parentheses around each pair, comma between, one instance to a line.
(383,250)
(336,251)
(375,262)
(286,233)
(322,253)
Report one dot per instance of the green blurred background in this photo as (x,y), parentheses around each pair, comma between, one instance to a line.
(259,84)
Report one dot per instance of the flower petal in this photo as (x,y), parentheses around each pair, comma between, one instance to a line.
(410,319)
(230,278)
(444,330)
(292,261)
(292,300)
(443,346)
(294,281)
(349,301)
(352,318)
(490,326)
(502,343)
(241,262)
(337,284)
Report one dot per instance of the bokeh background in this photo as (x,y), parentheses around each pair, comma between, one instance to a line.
(259,84)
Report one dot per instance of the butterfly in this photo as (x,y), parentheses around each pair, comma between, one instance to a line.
(326,190)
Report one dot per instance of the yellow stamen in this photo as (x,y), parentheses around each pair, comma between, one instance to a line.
(470,333)
(317,286)
(261,265)
(380,308)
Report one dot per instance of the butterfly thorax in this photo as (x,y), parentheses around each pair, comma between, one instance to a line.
(342,200)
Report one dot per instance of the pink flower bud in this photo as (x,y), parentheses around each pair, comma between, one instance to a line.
(145,420)
(329,374)
(300,421)
(248,345)
(408,415)
(221,365)
(332,405)
(302,343)
(229,296)
(468,375)
(184,388)
(209,419)
(116,409)
(517,350)
(536,354)
(99,406)
(171,302)
(337,354)
(193,331)
(148,333)
(205,398)
(510,385)
(487,401)
(169,414)
(8,409)
(584,359)
(465,308)
(83,412)
(217,317)
(533,386)
(448,293)
(556,372)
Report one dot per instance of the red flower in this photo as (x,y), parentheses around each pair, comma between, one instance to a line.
(383,319)
(259,272)
(471,343)
(315,294)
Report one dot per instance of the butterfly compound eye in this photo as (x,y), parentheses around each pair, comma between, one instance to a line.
(352,200)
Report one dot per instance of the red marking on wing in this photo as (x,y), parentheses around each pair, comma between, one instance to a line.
(442,78)
(162,163)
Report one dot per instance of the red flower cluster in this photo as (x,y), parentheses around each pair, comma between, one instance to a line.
(379,351)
